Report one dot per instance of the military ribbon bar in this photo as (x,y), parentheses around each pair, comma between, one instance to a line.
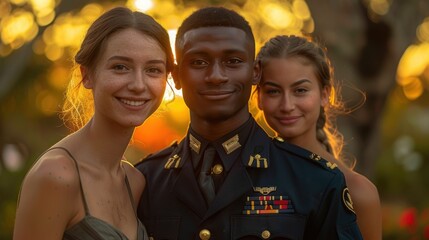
(267,207)
(269,202)
(271,211)
(266,198)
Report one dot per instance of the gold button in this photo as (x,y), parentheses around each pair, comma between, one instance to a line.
(205,234)
(265,234)
(217,169)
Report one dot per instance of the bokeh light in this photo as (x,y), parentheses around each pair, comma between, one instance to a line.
(411,68)
(423,31)
(18,28)
(63,33)
(21,21)
(55,34)
(143,5)
(13,159)
(380,7)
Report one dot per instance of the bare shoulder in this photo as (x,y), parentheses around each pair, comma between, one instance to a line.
(48,198)
(366,202)
(136,179)
(53,169)
(362,188)
(132,172)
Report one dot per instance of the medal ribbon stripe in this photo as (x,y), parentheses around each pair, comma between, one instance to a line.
(267,205)
(271,211)
(266,198)
(270,202)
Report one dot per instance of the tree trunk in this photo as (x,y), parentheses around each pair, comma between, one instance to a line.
(365,55)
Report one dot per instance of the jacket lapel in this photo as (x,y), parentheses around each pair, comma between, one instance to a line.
(238,181)
(236,184)
(186,183)
(187,190)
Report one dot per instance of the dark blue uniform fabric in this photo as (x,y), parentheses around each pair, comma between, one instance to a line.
(313,195)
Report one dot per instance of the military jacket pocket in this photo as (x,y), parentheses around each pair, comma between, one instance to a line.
(289,227)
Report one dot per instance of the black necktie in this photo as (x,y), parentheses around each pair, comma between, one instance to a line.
(205,179)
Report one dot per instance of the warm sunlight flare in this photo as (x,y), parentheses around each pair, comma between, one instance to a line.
(143,5)
(172,33)
(170,91)
(301,10)
(379,54)
(277,16)
(18,28)
(42,6)
(56,36)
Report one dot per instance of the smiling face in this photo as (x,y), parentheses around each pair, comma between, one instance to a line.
(290,96)
(129,79)
(216,74)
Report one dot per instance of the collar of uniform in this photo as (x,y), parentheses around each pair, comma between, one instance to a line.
(228,147)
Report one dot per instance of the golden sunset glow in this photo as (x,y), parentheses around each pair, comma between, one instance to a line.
(62,35)
(143,5)
(413,89)
(18,28)
(411,68)
(379,53)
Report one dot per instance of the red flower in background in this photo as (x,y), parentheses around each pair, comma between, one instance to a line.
(408,219)
(426,232)
(410,223)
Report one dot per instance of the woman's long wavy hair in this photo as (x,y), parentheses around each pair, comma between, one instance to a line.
(78,106)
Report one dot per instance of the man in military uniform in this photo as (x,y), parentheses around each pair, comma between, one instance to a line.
(227,179)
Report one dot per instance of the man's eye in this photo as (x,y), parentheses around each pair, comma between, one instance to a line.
(234,61)
(199,62)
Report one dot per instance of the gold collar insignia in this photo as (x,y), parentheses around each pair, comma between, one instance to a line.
(194,143)
(231,144)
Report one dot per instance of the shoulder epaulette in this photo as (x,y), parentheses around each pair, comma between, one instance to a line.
(305,154)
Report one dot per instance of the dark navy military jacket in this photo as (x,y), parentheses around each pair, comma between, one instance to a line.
(274,190)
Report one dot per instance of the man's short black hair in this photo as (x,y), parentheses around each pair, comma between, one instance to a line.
(212,17)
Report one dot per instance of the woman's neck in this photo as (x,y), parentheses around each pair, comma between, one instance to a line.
(105,143)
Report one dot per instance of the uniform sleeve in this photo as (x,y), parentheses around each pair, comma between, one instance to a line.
(339,221)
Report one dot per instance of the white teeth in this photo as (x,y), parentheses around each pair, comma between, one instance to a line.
(132,103)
